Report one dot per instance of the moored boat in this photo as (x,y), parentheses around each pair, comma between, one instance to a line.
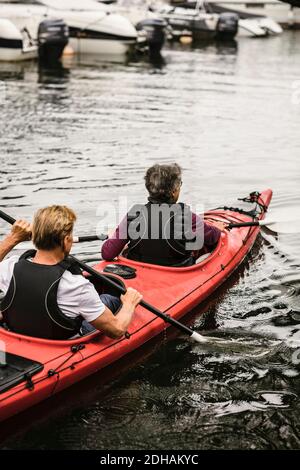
(254,20)
(93,28)
(13,45)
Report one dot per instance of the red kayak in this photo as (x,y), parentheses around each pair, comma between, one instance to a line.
(36,369)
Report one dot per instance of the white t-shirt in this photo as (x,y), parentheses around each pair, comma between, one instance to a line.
(75,296)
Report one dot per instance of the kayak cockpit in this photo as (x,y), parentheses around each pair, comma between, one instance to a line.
(100,287)
(203,260)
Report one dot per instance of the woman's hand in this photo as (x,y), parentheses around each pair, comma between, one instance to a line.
(218,224)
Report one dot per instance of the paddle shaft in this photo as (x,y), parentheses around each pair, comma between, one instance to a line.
(88,238)
(7,218)
(111,283)
(184,329)
(257,223)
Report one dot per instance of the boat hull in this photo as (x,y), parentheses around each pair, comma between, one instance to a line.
(101,48)
(12,45)
(91,33)
(280,12)
(14,55)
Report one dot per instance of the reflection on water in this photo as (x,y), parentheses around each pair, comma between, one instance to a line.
(83,135)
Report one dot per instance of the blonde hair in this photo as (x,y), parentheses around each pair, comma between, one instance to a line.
(51,225)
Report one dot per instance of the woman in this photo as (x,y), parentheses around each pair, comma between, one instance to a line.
(163,231)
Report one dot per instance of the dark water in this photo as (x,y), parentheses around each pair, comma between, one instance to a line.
(84,137)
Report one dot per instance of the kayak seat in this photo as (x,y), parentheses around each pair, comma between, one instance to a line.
(203,258)
(15,370)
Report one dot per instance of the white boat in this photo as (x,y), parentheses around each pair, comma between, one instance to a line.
(151,28)
(282,13)
(258,27)
(197,22)
(208,18)
(285,13)
(93,28)
(18,45)
(15,46)
(135,10)
(251,23)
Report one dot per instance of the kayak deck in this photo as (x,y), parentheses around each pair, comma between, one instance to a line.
(175,291)
(16,369)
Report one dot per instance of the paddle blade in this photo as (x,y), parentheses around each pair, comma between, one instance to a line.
(283,222)
(198,338)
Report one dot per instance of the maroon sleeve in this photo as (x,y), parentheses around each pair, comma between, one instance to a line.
(115,244)
(211,233)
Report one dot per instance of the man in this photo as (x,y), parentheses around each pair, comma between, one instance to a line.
(168,228)
(45,294)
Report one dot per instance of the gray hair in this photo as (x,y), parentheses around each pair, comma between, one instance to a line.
(162,180)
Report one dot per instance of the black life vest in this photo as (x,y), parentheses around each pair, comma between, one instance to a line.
(30,304)
(168,247)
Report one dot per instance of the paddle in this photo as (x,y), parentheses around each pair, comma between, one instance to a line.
(88,238)
(285,224)
(180,326)
(282,221)
(7,218)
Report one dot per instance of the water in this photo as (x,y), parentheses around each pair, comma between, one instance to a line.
(229,116)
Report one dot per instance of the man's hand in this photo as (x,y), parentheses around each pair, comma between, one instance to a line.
(115,326)
(20,232)
(132,298)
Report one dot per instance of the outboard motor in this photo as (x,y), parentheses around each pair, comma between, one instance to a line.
(227,25)
(154,33)
(53,36)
